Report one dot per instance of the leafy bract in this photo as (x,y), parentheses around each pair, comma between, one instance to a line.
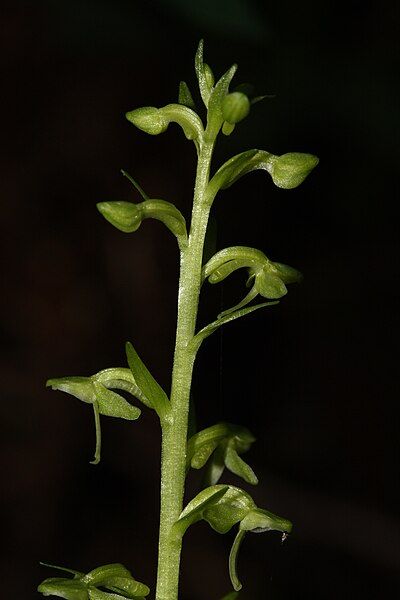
(204,74)
(185,97)
(215,117)
(232,316)
(155,395)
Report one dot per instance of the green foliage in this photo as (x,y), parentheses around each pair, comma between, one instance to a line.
(220,446)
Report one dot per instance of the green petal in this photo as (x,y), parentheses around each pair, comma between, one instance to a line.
(70,589)
(269,285)
(114,405)
(127,586)
(240,468)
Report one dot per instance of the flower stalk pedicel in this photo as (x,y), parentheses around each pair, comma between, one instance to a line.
(219,446)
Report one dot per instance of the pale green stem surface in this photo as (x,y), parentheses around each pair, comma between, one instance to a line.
(173,457)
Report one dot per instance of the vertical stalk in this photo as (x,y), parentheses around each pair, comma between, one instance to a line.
(174,435)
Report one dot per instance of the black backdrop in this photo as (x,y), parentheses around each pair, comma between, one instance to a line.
(314,378)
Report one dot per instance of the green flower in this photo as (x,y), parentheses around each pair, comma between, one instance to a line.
(114,578)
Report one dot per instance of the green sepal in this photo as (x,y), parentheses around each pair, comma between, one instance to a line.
(185,97)
(70,589)
(204,74)
(100,575)
(260,520)
(117,578)
(238,466)
(196,508)
(231,596)
(230,441)
(291,169)
(215,117)
(155,395)
(89,390)
(231,508)
(225,261)
(156,120)
(204,333)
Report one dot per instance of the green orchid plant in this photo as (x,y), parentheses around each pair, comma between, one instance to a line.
(222,445)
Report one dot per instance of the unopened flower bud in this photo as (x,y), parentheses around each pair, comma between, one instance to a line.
(235,107)
(149,119)
(125,216)
(290,170)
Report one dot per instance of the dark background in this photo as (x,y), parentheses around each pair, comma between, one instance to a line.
(315,378)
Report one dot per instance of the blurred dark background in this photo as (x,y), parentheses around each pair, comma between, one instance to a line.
(315,378)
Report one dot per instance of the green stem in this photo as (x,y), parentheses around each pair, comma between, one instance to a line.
(173,455)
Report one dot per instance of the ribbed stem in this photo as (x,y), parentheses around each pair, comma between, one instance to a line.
(173,455)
